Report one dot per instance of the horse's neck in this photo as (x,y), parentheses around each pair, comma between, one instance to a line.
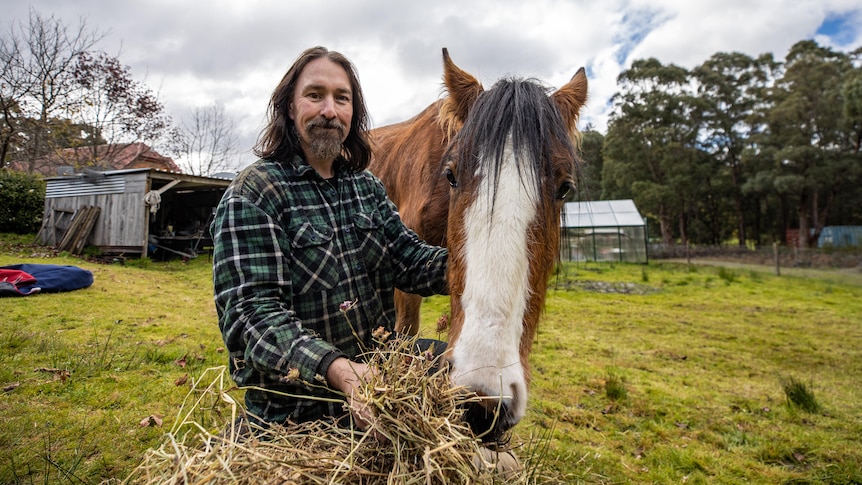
(407,159)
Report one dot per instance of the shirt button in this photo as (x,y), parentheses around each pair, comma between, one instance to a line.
(347,229)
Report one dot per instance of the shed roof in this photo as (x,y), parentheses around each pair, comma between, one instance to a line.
(601,213)
(93,182)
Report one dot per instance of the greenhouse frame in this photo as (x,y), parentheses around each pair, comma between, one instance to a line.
(603,230)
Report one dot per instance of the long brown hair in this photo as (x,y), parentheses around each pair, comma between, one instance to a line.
(279,139)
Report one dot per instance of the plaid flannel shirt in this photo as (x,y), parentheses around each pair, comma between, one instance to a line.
(290,249)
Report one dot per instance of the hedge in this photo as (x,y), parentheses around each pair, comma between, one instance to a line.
(22,201)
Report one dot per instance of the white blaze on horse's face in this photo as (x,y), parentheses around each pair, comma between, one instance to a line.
(486,358)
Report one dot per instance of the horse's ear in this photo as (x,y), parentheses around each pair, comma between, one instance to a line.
(571,98)
(463,88)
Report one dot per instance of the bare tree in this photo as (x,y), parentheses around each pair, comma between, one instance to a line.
(36,62)
(206,142)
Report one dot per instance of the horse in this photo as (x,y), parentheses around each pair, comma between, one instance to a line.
(485,173)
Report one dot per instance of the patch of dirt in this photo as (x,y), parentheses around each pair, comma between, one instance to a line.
(606,287)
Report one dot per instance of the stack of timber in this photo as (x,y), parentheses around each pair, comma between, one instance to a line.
(79,229)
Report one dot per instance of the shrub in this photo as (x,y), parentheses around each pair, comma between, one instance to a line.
(23,201)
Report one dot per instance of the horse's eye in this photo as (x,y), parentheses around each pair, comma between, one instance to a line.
(564,190)
(450,176)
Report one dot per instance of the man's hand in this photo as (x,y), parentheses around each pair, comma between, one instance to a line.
(347,376)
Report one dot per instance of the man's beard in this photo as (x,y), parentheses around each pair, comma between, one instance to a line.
(323,142)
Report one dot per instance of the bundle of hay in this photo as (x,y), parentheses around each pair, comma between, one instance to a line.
(417,409)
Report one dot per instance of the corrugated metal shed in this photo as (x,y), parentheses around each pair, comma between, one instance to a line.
(140,208)
(840,237)
(79,186)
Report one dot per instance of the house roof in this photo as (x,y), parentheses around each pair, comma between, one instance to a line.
(601,213)
(118,156)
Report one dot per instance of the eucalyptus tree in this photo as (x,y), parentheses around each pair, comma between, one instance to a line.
(731,87)
(849,206)
(813,158)
(650,151)
(590,179)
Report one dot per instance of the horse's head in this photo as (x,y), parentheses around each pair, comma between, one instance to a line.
(510,163)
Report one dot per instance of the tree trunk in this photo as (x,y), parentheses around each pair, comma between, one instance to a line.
(803,221)
(683,235)
(666,232)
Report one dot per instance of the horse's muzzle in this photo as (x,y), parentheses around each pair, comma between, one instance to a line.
(490,419)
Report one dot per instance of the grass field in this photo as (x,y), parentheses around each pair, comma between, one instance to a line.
(659,373)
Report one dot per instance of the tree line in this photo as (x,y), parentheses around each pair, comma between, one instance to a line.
(58,91)
(738,148)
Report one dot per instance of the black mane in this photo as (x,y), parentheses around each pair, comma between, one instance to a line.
(522,108)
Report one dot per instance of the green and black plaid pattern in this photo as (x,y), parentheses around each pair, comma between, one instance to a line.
(290,248)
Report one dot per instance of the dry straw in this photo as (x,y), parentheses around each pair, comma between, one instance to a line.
(417,410)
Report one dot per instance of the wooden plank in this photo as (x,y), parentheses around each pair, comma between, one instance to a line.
(48,222)
(168,186)
(62,219)
(69,234)
(79,229)
(86,228)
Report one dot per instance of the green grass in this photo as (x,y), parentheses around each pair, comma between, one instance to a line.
(800,395)
(665,373)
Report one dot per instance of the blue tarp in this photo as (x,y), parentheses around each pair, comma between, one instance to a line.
(44,278)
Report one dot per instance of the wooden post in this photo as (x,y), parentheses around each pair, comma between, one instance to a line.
(775,254)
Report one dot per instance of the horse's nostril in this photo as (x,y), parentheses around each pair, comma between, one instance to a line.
(489,419)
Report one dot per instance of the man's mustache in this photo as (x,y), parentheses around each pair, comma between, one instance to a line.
(324,123)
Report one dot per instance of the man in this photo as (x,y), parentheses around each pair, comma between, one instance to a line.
(308,250)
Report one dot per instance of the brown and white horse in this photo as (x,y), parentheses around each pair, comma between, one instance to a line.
(485,172)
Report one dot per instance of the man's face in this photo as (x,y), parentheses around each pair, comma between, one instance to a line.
(321,109)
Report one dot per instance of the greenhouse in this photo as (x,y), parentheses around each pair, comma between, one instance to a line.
(603,230)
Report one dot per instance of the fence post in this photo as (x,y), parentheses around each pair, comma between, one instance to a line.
(775,254)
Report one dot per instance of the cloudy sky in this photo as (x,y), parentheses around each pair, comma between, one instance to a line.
(235,52)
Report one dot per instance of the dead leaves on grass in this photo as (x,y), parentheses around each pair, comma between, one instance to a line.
(151,421)
(61,375)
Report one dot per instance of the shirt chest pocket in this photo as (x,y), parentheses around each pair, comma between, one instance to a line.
(314,265)
(371,239)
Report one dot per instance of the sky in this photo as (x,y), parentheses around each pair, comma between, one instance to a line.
(194,53)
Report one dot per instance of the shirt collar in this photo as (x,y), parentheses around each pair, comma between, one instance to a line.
(303,169)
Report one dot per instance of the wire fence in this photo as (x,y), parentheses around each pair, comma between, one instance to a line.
(780,256)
